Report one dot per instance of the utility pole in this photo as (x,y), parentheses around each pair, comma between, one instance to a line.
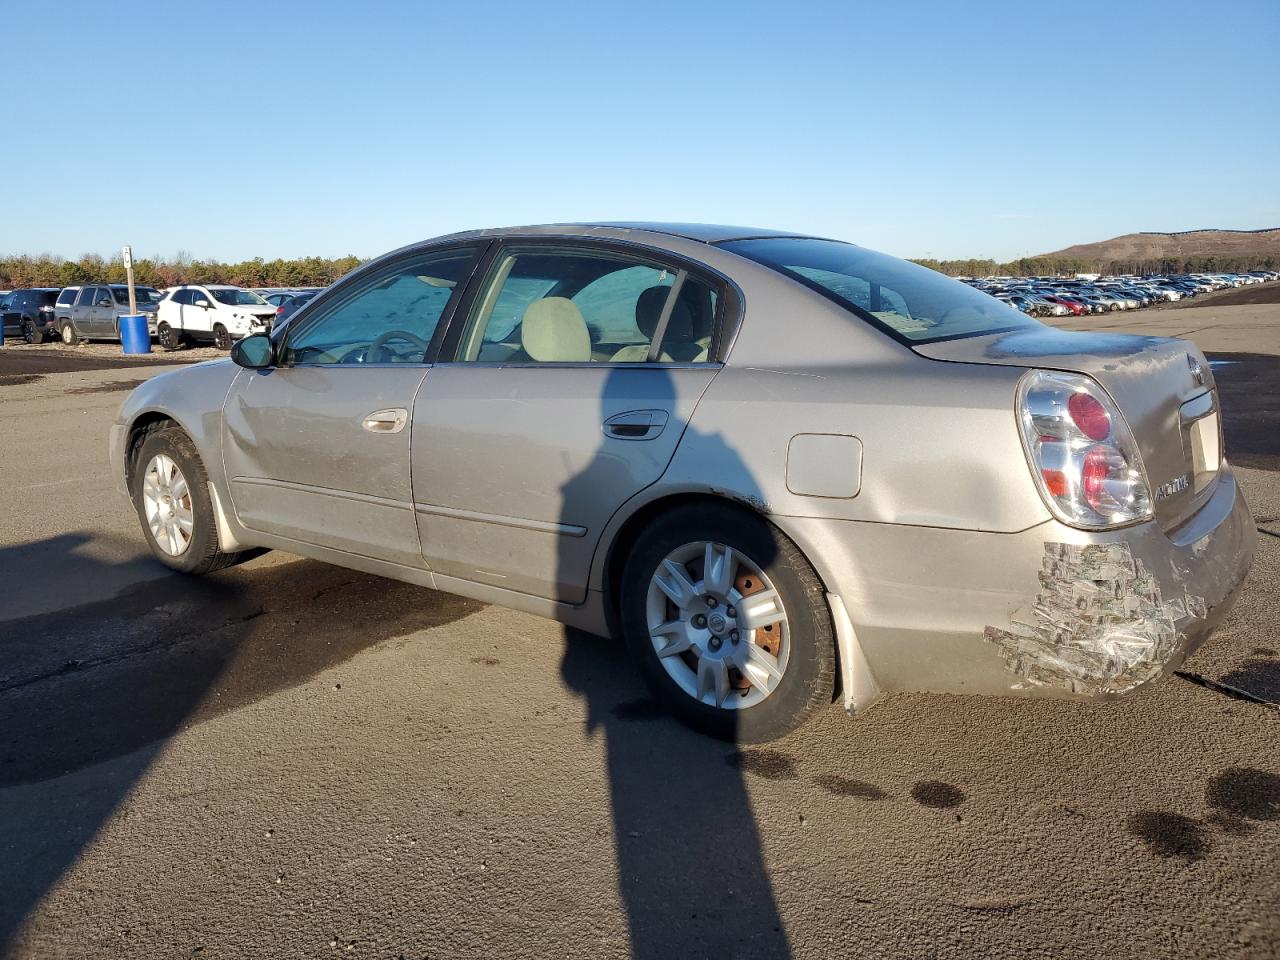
(128,271)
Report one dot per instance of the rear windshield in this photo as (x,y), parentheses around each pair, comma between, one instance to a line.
(909,302)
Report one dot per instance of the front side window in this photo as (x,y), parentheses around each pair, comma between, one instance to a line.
(547,305)
(237,298)
(391,318)
(144,295)
(911,303)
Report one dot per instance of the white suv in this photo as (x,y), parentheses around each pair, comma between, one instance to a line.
(218,313)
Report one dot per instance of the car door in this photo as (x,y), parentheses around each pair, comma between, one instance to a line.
(102,313)
(317,449)
(82,312)
(198,310)
(553,408)
(178,312)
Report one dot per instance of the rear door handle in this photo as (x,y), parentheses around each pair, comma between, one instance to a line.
(386,421)
(636,424)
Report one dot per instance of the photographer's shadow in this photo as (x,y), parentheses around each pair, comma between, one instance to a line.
(691,871)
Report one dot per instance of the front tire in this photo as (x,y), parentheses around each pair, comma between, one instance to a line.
(221,338)
(171,495)
(729,622)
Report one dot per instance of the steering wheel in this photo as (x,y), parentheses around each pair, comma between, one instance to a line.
(374,353)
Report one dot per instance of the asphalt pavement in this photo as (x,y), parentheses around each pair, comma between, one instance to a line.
(292,759)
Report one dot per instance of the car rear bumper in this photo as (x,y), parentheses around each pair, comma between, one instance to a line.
(1048,612)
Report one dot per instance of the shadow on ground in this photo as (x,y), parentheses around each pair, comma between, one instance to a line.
(113,680)
(691,873)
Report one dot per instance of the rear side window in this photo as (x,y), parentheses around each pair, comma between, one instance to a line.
(45,298)
(549,305)
(911,303)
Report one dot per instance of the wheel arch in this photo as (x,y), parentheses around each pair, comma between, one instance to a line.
(142,426)
(621,542)
(139,428)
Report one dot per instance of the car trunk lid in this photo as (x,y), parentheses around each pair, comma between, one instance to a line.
(1163,387)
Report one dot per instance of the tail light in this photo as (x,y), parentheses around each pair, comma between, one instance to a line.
(1082,453)
(280,310)
(47,308)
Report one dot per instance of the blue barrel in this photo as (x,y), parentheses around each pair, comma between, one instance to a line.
(133,333)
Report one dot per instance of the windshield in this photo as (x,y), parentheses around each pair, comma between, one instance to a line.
(238,298)
(911,303)
(141,294)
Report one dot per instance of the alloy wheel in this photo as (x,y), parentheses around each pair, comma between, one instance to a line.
(718,625)
(167,504)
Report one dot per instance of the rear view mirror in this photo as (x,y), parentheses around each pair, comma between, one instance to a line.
(104,303)
(204,304)
(253,353)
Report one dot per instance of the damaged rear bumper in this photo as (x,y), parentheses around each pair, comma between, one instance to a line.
(1048,612)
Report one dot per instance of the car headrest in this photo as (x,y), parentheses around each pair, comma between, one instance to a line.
(649,309)
(554,331)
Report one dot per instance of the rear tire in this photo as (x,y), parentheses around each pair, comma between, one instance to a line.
(801,646)
(168,465)
(69,336)
(167,337)
(221,338)
(31,333)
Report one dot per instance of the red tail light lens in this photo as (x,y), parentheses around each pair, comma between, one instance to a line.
(279,309)
(1089,415)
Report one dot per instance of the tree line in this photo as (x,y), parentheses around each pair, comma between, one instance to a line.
(49,271)
(1069,266)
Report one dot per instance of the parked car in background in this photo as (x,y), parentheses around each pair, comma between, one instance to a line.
(279,297)
(29,313)
(6,296)
(92,311)
(1074,306)
(213,313)
(290,306)
(776,466)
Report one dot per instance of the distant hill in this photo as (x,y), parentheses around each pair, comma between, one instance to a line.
(1231,245)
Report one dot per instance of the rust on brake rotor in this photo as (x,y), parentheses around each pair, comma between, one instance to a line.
(766,638)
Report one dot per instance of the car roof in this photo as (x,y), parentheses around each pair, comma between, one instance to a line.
(704,232)
(697,232)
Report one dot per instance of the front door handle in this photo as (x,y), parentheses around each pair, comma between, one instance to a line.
(636,424)
(386,421)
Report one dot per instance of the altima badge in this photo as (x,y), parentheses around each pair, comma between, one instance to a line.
(1176,485)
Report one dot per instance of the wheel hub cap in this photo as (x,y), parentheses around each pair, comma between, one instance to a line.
(718,625)
(166,502)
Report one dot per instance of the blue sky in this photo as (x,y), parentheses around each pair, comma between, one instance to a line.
(952,129)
